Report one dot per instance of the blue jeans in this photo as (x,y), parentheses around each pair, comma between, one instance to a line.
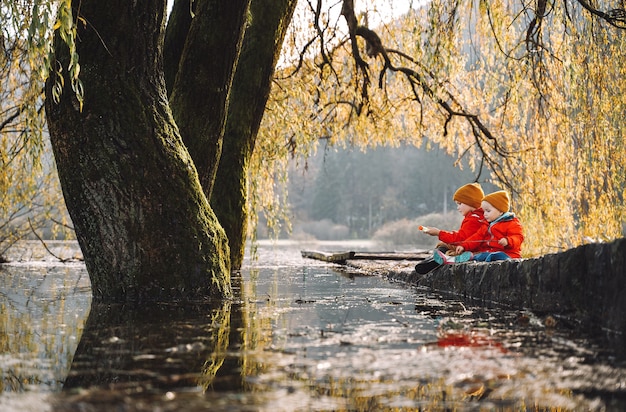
(490,256)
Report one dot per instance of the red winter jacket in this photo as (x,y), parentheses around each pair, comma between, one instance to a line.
(486,239)
(471,223)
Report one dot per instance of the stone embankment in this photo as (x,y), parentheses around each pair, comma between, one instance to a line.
(585,285)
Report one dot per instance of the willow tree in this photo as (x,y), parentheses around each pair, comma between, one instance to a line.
(236,115)
(531,94)
(138,167)
(131,187)
(29,192)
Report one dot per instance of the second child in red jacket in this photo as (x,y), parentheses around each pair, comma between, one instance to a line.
(502,239)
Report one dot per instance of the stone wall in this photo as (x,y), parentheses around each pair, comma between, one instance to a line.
(586,285)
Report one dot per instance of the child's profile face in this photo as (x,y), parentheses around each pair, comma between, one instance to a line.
(490,212)
(463,208)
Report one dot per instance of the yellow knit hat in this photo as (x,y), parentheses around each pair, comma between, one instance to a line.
(471,194)
(500,200)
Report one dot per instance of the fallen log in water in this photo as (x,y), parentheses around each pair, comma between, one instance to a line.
(342,257)
(339,257)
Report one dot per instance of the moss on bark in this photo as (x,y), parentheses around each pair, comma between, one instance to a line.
(251,86)
(142,220)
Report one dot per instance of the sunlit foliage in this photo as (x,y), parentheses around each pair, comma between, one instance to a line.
(29,190)
(530,94)
(558,99)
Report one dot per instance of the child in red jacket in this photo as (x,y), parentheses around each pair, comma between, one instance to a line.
(468,200)
(501,240)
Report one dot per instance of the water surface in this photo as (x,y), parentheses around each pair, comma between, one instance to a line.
(300,335)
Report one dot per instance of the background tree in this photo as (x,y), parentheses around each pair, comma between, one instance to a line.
(30,198)
(366,190)
(497,83)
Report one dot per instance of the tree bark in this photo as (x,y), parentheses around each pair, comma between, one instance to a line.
(141,218)
(178,25)
(251,87)
(199,97)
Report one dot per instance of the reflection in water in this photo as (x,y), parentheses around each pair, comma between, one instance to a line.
(298,336)
(43,309)
(152,347)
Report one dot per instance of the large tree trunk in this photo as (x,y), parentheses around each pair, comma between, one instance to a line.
(142,220)
(200,92)
(178,25)
(188,59)
(251,87)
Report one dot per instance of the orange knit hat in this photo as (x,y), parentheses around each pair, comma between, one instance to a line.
(471,194)
(500,200)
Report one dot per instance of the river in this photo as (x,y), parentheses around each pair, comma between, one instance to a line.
(301,335)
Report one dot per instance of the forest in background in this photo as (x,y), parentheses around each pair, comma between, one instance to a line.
(383,193)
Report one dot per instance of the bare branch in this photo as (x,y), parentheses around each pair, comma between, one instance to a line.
(615,17)
(320,32)
(43,243)
(347,10)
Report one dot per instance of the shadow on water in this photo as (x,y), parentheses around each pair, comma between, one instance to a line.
(300,335)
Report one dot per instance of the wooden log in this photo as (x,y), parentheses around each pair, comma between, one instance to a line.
(392,255)
(341,257)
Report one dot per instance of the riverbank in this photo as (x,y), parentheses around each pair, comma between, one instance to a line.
(584,286)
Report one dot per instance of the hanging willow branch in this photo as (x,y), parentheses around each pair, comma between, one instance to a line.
(422,80)
(615,17)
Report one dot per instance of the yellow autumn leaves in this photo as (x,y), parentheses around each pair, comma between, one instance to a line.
(555,105)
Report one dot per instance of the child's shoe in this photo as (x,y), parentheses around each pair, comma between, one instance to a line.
(463,257)
(425,266)
(442,258)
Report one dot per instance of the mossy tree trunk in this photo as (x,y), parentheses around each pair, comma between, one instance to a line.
(190,62)
(205,64)
(141,217)
(251,87)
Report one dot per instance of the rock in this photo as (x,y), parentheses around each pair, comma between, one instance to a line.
(585,285)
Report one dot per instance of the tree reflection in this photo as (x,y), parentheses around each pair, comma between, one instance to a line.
(159,347)
(42,312)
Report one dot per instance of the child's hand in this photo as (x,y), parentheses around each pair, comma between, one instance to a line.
(503,242)
(433,231)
